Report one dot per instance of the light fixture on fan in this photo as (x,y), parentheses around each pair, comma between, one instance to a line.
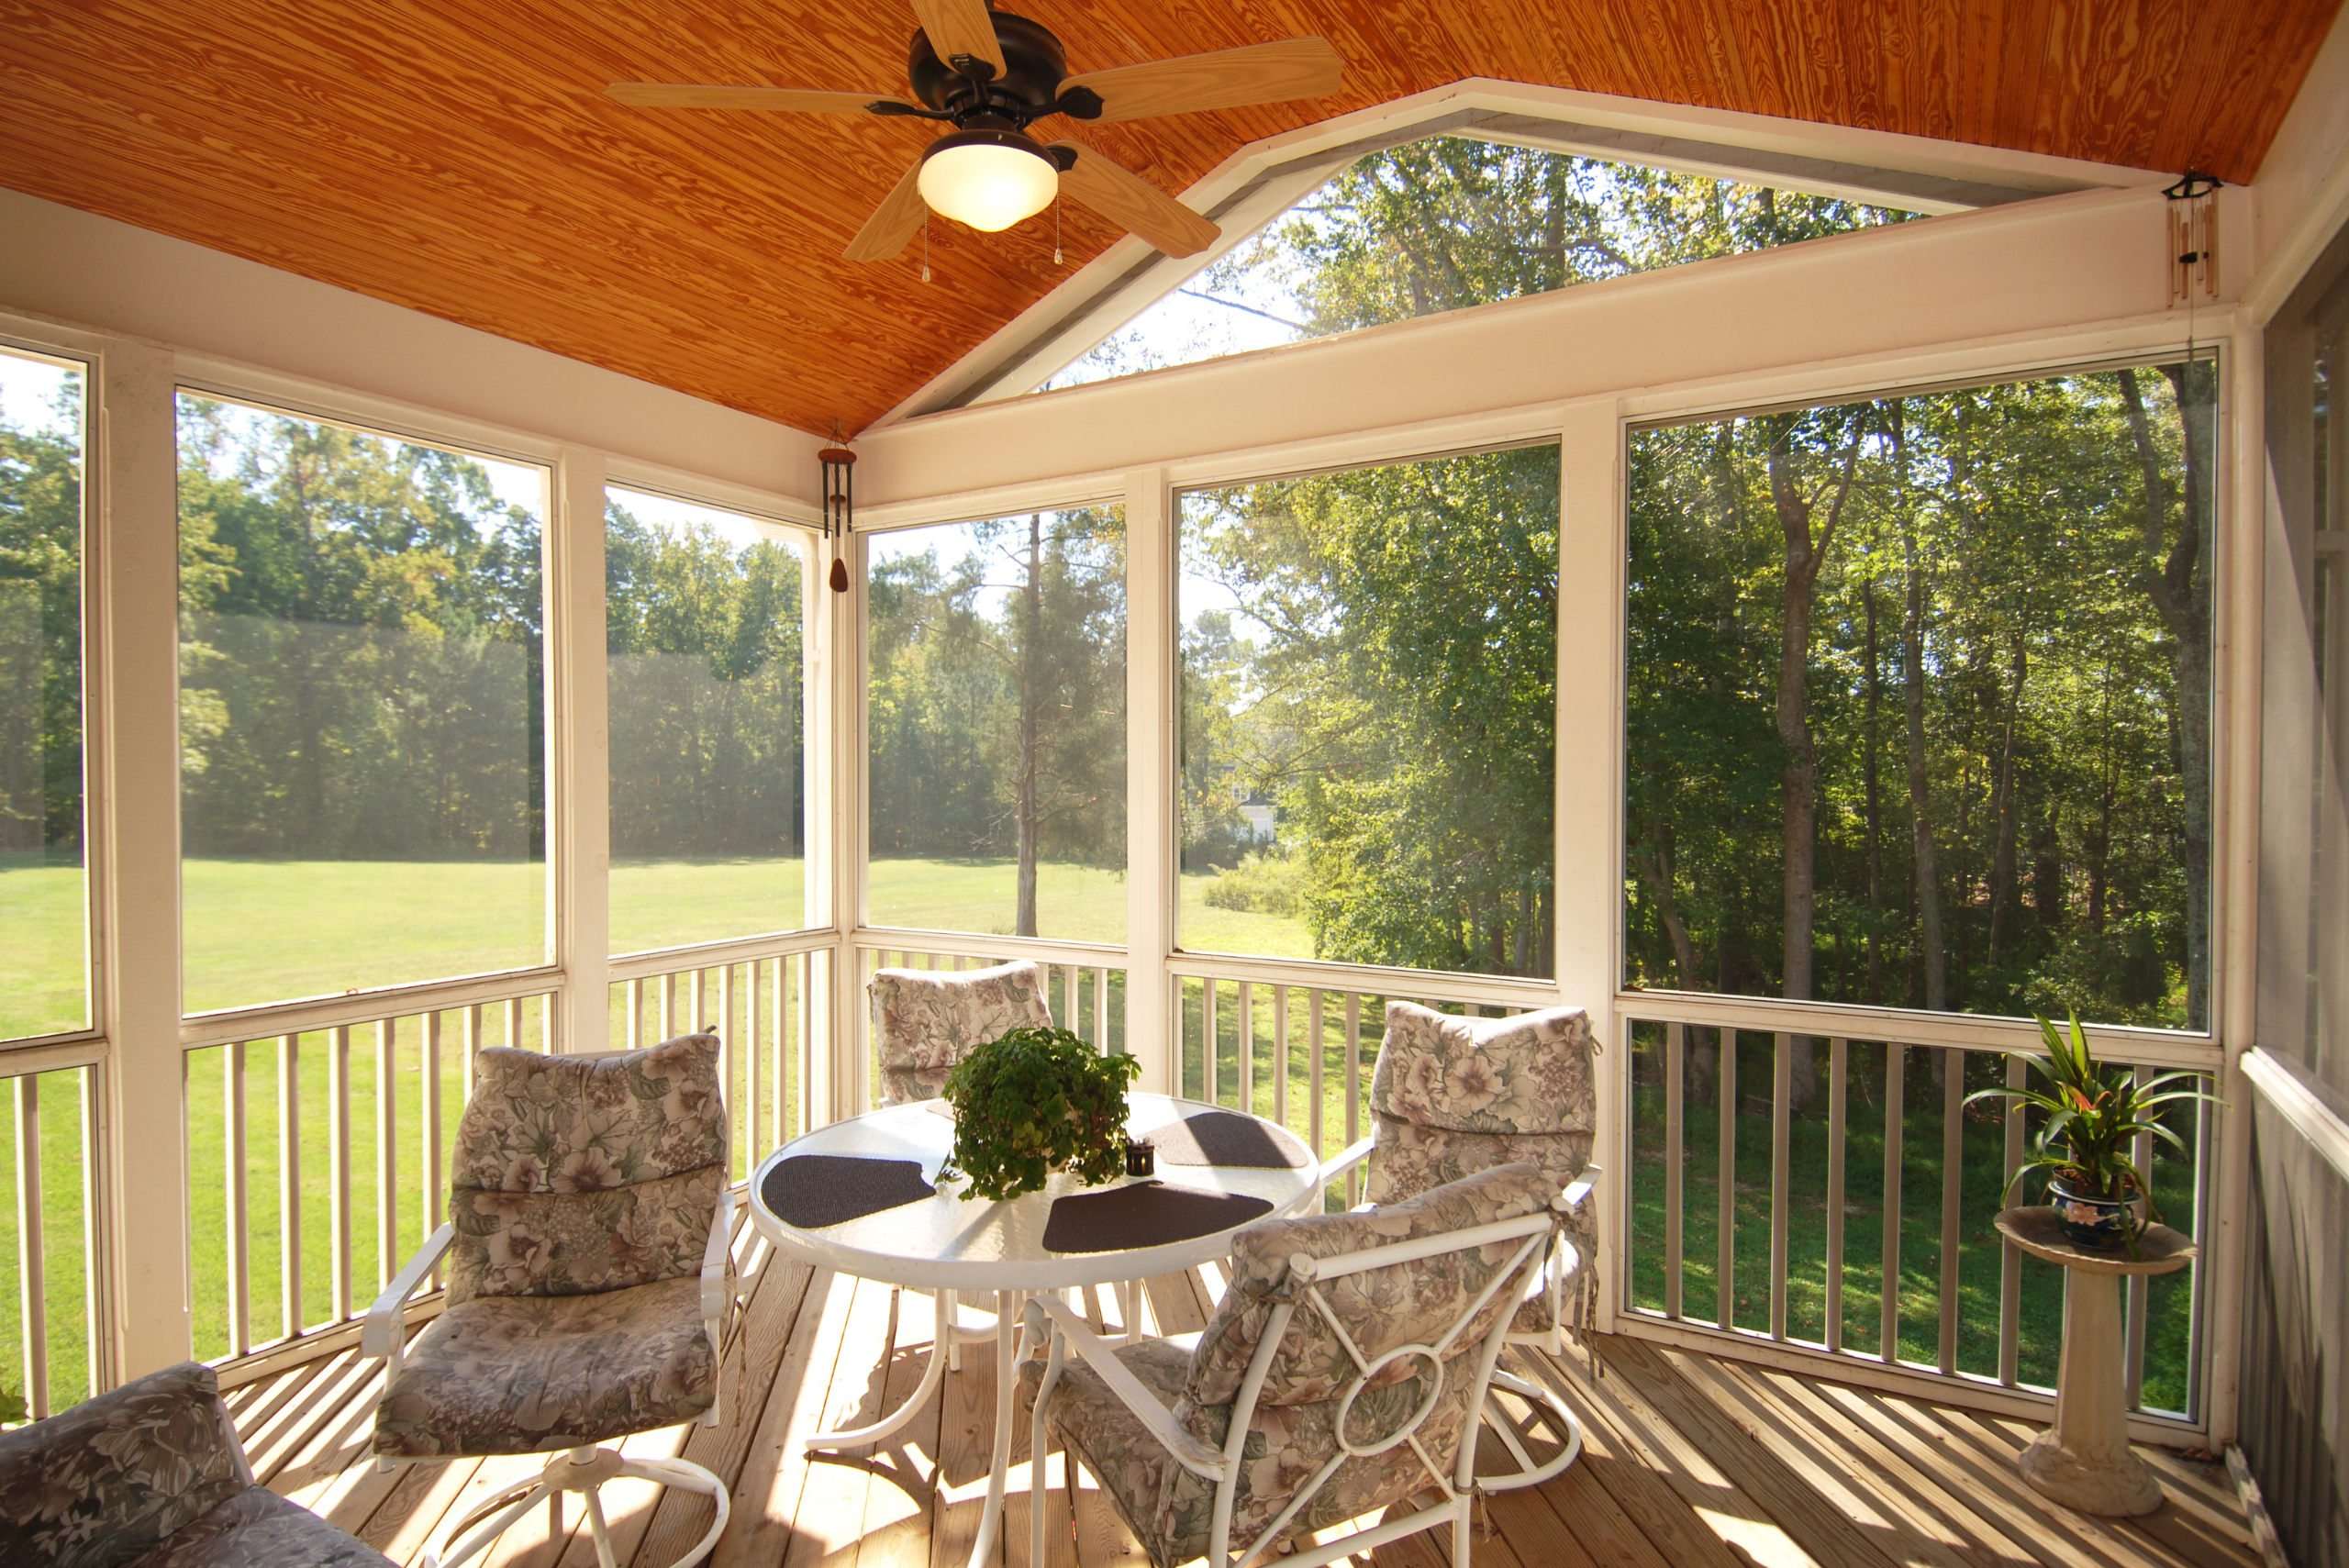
(989,178)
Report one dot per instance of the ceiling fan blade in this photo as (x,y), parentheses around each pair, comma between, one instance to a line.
(790,100)
(960,27)
(1223,79)
(895,222)
(1133,203)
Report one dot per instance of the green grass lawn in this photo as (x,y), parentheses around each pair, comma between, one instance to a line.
(44,984)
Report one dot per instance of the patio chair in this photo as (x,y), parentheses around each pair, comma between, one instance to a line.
(151,1475)
(589,1285)
(924,1021)
(1453,1095)
(1340,1375)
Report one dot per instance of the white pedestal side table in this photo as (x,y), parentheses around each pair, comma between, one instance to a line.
(2083,1461)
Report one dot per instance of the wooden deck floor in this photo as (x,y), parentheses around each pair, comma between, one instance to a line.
(1690,1464)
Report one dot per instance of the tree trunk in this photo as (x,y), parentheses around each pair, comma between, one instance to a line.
(2002,859)
(1805,554)
(1928,900)
(1875,806)
(2178,588)
(1031,654)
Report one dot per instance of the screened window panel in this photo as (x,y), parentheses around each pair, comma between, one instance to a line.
(995,710)
(361,708)
(1369,714)
(44,880)
(1918,700)
(706,683)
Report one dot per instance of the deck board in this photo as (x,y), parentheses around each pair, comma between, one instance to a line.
(1687,1463)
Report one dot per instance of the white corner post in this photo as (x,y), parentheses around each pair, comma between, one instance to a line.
(133,772)
(1152,871)
(2240,589)
(579,754)
(1590,763)
(848,1080)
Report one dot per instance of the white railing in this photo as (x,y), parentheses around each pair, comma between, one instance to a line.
(49,1218)
(281,1103)
(1875,1196)
(765,1000)
(1084,983)
(1296,1041)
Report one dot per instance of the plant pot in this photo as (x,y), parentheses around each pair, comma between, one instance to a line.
(2101,1224)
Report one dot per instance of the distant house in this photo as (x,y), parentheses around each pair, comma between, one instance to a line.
(1258,809)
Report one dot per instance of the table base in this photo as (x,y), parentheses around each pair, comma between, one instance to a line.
(2083,1461)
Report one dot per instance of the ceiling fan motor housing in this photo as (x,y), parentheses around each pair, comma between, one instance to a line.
(1029,89)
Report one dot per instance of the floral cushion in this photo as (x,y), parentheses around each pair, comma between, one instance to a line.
(568,1243)
(1407,1160)
(571,1124)
(109,1479)
(536,1373)
(1404,1304)
(1528,1074)
(927,1020)
(258,1529)
(1170,1510)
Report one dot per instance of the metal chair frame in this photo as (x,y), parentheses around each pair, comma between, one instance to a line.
(1051,1322)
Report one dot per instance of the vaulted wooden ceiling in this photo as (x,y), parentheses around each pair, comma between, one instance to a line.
(455,156)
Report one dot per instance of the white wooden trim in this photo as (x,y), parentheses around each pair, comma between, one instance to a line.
(1152,826)
(2153,1048)
(966,944)
(1489,990)
(2304,1103)
(304,1015)
(714,955)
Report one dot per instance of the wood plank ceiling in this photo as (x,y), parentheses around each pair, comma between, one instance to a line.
(455,156)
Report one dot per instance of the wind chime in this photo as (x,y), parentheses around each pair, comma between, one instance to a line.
(840,495)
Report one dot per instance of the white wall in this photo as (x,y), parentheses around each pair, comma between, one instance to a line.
(73,267)
(2303,184)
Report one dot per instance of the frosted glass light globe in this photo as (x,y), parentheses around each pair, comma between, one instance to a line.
(987,180)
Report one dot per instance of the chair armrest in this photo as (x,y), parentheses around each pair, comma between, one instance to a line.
(717,1258)
(381,1335)
(1159,1421)
(1578,1191)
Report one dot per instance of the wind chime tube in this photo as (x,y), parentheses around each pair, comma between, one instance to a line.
(839,496)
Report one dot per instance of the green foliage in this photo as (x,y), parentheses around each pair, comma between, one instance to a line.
(1262,883)
(41,627)
(361,649)
(2093,1117)
(12,1409)
(1035,1101)
(707,690)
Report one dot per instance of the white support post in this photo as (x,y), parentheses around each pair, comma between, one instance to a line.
(133,771)
(2235,955)
(578,754)
(1150,828)
(843,622)
(1590,766)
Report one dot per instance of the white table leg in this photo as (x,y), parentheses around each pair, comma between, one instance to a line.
(2083,1461)
(1007,1305)
(859,1437)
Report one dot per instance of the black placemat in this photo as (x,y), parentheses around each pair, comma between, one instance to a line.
(811,1190)
(1221,1138)
(1149,1213)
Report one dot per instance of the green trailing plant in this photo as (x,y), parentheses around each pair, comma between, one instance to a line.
(1036,1101)
(2093,1116)
(13,1410)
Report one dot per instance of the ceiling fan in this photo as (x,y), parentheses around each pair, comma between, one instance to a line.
(990,75)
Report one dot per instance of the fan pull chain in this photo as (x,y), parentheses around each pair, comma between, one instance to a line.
(1056,228)
(924,248)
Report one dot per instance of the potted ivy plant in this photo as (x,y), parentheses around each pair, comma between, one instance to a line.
(1035,1101)
(2093,1117)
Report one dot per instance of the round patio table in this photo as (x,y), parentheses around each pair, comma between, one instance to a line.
(946,1244)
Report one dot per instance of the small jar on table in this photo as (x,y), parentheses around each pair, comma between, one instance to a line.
(2083,1461)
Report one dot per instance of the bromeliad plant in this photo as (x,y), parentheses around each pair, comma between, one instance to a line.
(1036,1101)
(2092,1119)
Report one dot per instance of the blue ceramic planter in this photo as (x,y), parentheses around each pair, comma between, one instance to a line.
(2106,1225)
